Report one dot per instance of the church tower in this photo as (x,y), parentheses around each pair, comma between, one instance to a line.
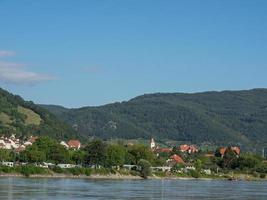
(152,143)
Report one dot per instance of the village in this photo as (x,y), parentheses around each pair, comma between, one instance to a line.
(182,159)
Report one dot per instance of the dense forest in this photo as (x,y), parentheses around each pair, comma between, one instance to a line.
(24,118)
(221,118)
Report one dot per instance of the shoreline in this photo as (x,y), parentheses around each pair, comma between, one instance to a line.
(119,177)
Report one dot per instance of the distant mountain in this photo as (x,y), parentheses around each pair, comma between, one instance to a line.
(224,118)
(24,118)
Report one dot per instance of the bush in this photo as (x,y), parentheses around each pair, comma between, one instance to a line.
(145,170)
(262,175)
(101,171)
(135,173)
(27,170)
(57,169)
(255,174)
(6,169)
(88,171)
(194,173)
(79,171)
(160,174)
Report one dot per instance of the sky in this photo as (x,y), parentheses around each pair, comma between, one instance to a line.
(86,53)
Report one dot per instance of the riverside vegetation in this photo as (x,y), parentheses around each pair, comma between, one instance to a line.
(103,158)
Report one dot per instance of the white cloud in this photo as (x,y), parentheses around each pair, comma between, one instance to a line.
(16,73)
(4,53)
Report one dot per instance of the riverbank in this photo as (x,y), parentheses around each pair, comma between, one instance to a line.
(130,177)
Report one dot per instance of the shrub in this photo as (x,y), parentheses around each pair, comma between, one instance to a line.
(6,169)
(135,173)
(101,171)
(194,173)
(255,174)
(262,175)
(27,170)
(57,169)
(145,170)
(88,171)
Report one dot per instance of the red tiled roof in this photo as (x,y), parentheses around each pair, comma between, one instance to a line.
(235,149)
(33,139)
(222,150)
(184,147)
(74,144)
(177,159)
(163,150)
(188,148)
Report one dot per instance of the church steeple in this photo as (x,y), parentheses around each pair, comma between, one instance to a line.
(152,143)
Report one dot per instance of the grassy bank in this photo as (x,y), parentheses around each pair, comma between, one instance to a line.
(103,173)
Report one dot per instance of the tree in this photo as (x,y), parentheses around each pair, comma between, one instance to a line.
(249,161)
(115,155)
(96,153)
(6,155)
(33,155)
(78,156)
(230,160)
(59,154)
(198,164)
(145,168)
(139,152)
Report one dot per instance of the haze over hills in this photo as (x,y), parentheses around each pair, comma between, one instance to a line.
(24,118)
(222,118)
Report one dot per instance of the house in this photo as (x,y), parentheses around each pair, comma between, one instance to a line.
(175,159)
(2,144)
(223,150)
(74,144)
(66,166)
(8,164)
(27,143)
(188,148)
(64,144)
(33,139)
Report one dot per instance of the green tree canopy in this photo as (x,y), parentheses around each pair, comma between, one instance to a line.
(115,155)
(96,152)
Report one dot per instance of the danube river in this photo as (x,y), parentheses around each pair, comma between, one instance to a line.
(33,188)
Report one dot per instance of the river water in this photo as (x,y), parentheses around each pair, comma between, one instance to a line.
(76,189)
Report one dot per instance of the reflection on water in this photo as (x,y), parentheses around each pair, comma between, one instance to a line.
(22,188)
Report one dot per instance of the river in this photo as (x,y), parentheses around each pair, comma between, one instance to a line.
(76,189)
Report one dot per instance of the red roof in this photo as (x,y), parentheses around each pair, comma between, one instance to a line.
(163,150)
(177,159)
(222,150)
(74,144)
(188,148)
(33,139)
(235,149)
(184,147)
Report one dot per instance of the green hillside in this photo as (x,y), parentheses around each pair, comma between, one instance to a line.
(24,118)
(222,118)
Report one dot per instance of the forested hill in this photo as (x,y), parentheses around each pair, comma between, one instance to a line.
(228,117)
(24,118)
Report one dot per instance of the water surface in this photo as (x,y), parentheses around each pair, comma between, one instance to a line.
(70,189)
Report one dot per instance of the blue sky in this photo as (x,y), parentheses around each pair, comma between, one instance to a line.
(77,53)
